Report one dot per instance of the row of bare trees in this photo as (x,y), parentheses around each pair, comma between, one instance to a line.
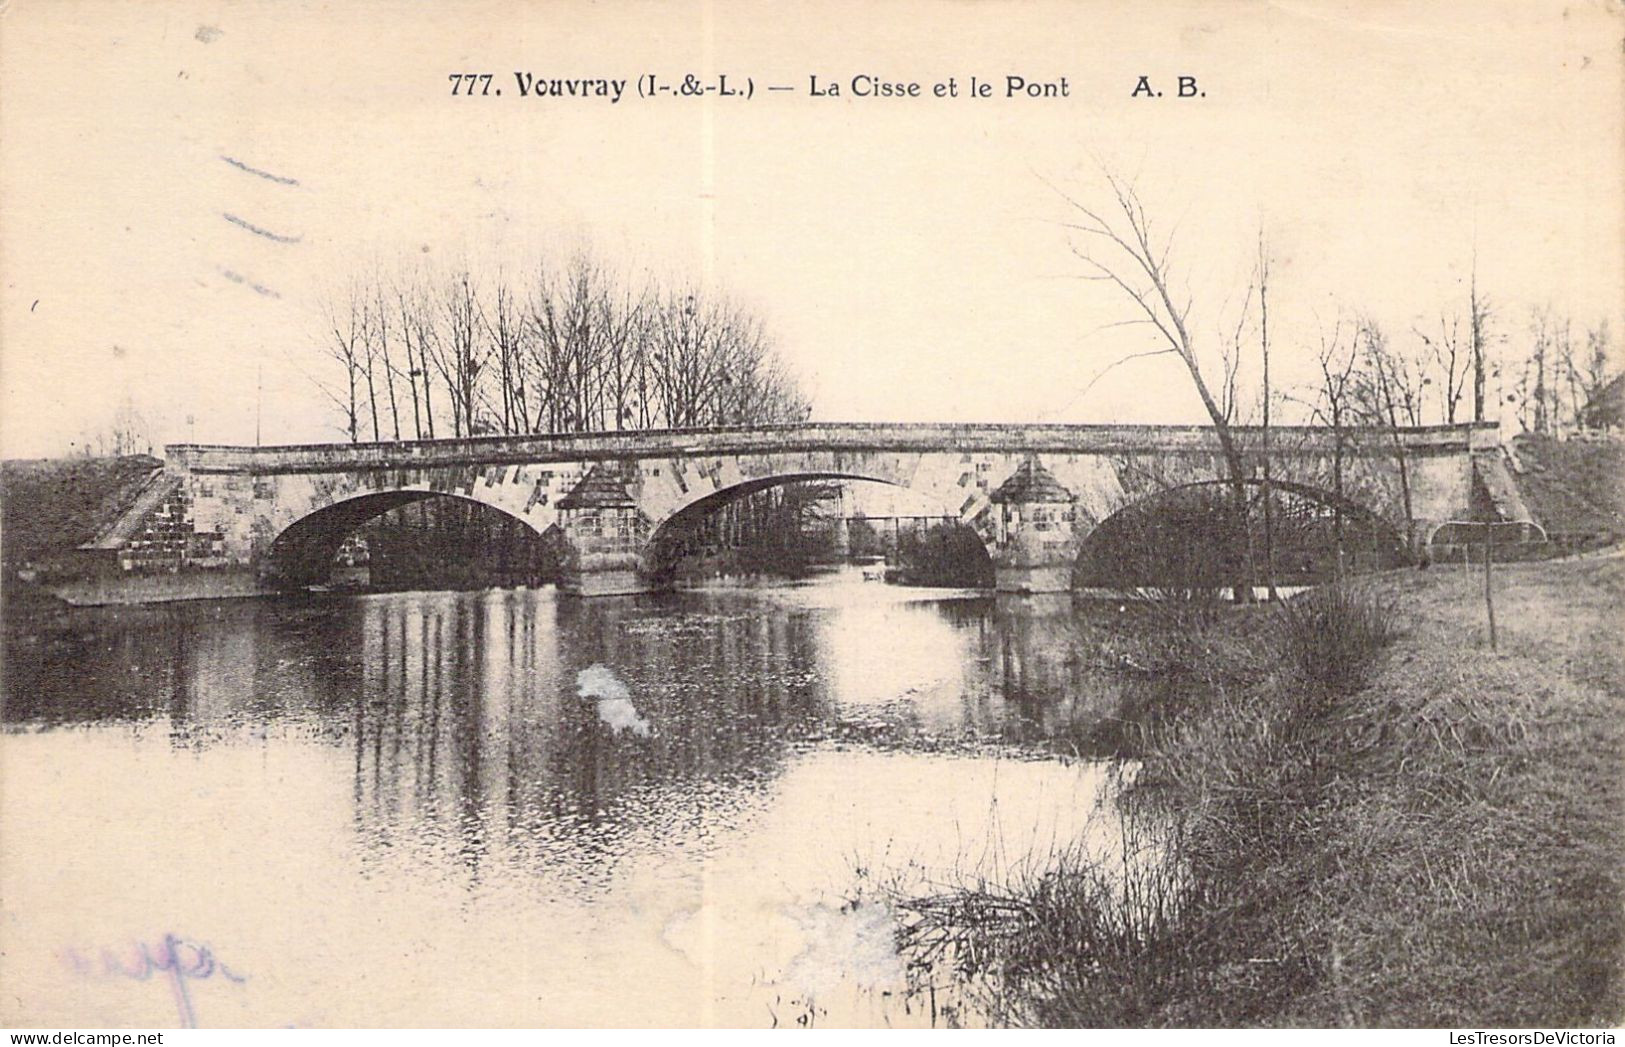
(1455,370)
(1545,374)
(576,347)
(1560,373)
(1446,370)
(1449,370)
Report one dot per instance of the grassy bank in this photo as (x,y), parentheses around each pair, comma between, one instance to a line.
(1431,839)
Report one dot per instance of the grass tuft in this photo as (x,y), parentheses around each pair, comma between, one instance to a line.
(1332,635)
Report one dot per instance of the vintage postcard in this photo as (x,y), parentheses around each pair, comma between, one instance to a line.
(828,514)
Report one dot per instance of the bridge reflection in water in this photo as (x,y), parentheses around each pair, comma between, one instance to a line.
(418,788)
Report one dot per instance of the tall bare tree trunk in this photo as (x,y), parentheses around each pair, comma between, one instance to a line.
(1269,488)
(1479,316)
(1340,566)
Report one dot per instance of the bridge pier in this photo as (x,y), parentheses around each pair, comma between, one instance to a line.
(616,579)
(1034,541)
(1033,579)
(606,535)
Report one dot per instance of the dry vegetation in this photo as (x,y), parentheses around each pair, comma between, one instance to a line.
(1429,836)
(48,506)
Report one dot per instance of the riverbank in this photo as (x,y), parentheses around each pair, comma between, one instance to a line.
(1439,844)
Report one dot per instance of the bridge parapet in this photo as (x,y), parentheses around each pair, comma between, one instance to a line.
(1284,441)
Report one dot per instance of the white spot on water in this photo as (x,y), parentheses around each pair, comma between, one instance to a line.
(815,951)
(848,945)
(598,683)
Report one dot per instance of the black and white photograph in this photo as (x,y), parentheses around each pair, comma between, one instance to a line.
(716,515)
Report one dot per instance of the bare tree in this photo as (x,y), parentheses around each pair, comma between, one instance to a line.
(381,330)
(1388,394)
(1598,361)
(1333,404)
(564,321)
(1563,373)
(458,350)
(677,350)
(128,433)
(504,327)
(1450,358)
(344,315)
(1263,275)
(370,359)
(1596,370)
(1137,262)
(625,319)
(1539,399)
(1478,325)
(407,303)
(1569,365)
(1120,247)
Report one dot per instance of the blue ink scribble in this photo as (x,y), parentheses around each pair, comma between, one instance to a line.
(251,227)
(238,278)
(233,161)
(179,959)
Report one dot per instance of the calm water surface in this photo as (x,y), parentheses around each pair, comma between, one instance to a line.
(510,808)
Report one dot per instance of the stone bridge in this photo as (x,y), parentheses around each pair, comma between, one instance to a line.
(264,518)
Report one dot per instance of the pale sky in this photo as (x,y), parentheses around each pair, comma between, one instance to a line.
(907,254)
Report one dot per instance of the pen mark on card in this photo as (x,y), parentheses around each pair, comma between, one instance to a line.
(178,960)
(267,175)
(239,278)
(257,231)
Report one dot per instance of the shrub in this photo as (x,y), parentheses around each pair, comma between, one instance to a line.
(1331,635)
(1087,935)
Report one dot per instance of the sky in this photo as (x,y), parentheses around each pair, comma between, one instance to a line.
(909,255)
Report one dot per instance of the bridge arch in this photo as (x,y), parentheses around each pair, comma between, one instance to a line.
(1185,536)
(668,532)
(302,553)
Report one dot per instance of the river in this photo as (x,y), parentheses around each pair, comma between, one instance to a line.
(511,808)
